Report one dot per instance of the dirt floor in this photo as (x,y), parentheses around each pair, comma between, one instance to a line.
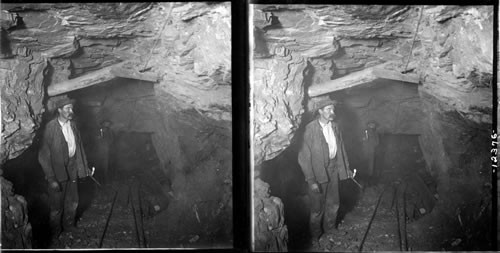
(383,234)
(121,230)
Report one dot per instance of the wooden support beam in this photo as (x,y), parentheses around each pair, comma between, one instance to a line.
(122,69)
(348,81)
(84,81)
(395,75)
(359,78)
(133,73)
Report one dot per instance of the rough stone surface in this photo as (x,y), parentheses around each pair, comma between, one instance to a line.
(22,101)
(271,233)
(278,93)
(458,61)
(456,154)
(16,231)
(194,58)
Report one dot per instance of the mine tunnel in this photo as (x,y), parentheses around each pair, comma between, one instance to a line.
(151,116)
(420,153)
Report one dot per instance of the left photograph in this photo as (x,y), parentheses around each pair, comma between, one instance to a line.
(116,125)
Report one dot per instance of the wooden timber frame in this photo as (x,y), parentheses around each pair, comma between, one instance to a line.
(123,69)
(361,77)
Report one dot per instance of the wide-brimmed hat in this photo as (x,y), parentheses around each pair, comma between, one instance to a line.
(60,101)
(321,102)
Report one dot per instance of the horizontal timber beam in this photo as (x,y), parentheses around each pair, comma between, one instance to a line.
(84,81)
(133,74)
(359,78)
(100,76)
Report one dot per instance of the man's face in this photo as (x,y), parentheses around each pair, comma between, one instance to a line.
(66,112)
(327,113)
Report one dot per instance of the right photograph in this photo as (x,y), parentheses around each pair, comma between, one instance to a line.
(371,127)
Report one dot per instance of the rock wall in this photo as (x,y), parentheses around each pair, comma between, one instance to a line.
(270,231)
(22,100)
(194,58)
(22,107)
(277,102)
(457,65)
(457,101)
(16,231)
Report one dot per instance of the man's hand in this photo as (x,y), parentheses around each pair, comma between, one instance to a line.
(315,188)
(351,174)
(54,185)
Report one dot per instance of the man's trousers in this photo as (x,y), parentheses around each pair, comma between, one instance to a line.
(325,204)
(63,205)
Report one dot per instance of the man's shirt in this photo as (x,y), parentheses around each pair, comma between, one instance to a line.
(69,136)
(330,138)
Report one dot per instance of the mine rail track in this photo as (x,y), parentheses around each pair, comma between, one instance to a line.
(400,218)
(138,219)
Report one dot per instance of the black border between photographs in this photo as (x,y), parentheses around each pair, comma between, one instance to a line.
(241,123)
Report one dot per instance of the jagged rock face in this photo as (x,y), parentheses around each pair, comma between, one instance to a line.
(194,58)
(16,231)
(458,71)
(22,101)
(271,233)
(452,53)
(278,93)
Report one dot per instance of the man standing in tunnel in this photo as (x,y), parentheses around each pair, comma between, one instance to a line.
(323,161)
(371,141)
(63,160)
(104,140)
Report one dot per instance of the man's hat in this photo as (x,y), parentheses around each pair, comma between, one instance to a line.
(106,123)
(60,101)
(372,124)
(320,102)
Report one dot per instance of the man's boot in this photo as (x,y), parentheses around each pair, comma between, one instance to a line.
(315,228)
(329,222)
(55,228)
(69,223)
